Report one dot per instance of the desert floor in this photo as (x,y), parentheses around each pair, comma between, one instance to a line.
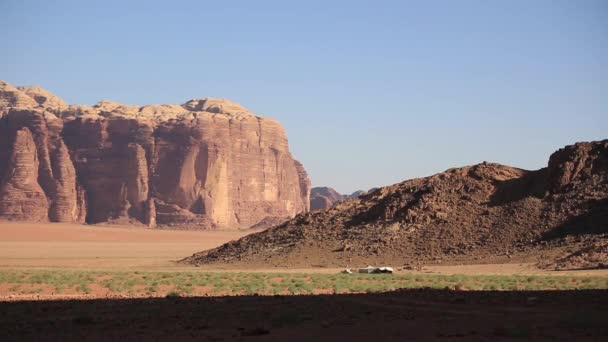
(40,312)
(85,247)
(31,245)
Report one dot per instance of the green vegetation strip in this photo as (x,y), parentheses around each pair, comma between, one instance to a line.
(217,283)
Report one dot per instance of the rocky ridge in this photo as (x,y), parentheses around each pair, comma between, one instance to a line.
(326,197)
(207,163)
(481,213)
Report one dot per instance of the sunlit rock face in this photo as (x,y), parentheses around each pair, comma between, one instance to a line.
(208,163)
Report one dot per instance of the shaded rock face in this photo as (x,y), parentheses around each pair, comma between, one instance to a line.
(471,214)
(52,171)
(205,164)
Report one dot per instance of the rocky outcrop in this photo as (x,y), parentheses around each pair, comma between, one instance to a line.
(13,97)
(205,164)
(43,97)
(475,214)
(576,164)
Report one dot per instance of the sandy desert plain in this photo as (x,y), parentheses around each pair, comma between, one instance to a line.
(68,282)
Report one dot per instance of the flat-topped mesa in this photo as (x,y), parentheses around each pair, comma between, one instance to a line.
(161,113)
(207,163)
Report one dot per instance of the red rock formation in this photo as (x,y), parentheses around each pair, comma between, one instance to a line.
(43,97)
(207,163)
(13,97)
(21,197)
(55,172)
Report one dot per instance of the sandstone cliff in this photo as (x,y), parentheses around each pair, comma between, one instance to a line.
(475,214)
(205,164)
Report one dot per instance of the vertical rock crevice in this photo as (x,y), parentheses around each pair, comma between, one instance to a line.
(21,196)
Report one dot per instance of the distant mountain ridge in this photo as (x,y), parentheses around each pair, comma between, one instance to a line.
(326,197)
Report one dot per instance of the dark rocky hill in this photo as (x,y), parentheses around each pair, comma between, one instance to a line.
(482,213)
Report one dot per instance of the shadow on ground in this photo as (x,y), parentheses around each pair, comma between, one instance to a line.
(394,316)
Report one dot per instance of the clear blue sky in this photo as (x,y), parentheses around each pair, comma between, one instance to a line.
(370,92)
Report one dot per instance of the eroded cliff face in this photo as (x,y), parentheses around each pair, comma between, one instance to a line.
(21,196)
(208,163)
